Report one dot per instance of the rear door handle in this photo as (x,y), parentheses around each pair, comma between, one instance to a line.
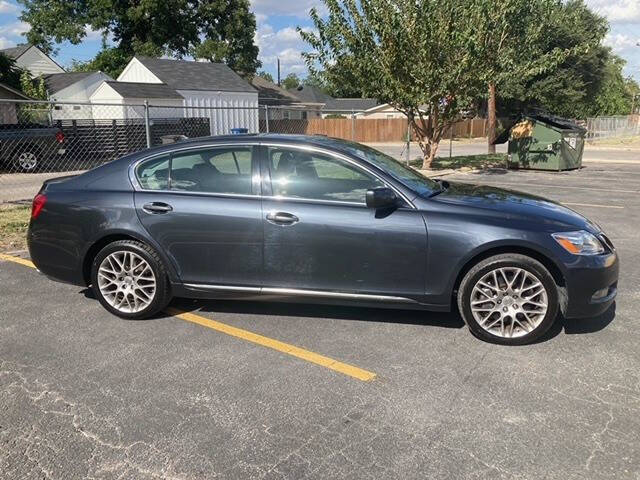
(282,218)
(157,207)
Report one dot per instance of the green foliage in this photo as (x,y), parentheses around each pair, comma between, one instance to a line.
(588,82)
(109,60)
(416,55)
(35,89)
(266,75)
(291,81)
(10,73)
(217,30)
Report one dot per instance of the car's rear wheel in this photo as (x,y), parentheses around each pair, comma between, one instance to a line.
(130,280)
(509,299)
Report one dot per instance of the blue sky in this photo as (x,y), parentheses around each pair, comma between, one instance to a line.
(277,37)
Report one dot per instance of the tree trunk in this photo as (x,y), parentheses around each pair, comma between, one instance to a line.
(491,112)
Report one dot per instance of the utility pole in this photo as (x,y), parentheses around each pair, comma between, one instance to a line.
(278,72)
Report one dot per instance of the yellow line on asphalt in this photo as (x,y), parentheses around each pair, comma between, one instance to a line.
(591,205)
(283,347)
(21,261)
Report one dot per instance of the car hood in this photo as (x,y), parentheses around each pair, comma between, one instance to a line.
(515,205)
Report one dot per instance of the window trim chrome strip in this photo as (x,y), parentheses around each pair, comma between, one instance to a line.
(138,188)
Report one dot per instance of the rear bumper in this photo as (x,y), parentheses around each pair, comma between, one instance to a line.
(592,285)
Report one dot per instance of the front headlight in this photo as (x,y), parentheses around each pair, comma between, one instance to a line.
(579,243)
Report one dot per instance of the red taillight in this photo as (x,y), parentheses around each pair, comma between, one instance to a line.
(60,137)
(37,205)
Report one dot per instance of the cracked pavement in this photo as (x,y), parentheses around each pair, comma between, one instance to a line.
(86,395)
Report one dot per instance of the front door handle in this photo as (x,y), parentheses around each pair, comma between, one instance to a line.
(282,218)
(157,207)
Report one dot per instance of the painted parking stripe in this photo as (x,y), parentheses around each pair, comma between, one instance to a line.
(592,205)
(248,336)
(595,189)
(283,347)
(21,261)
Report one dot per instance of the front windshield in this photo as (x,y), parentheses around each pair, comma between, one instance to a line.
(413,179)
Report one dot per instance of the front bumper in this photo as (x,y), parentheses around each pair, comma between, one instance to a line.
(592,285)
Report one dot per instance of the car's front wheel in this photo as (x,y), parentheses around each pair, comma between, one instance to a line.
(129,280)
(510,299)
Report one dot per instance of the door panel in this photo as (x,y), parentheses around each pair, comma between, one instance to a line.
(345,248)
(325,238)
(214,240)
(202,207)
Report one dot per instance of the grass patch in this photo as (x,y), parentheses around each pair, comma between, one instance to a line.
(468,161)
(14,221)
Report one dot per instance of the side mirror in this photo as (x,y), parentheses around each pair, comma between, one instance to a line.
(381,197)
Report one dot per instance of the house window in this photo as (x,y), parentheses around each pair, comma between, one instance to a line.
(304,115)
(285,114)
(77,107)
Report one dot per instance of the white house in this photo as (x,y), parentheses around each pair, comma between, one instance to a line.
(124,100)
(31,58)
(204,89)
(73,87)
(381,111)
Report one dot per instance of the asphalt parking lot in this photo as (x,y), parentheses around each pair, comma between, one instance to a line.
(257,390)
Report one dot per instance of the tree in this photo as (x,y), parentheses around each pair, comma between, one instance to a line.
(512,38)
(266,75)
(571,87)
(416,55)
(291,81)
(109,60)
(33,88)
(217,30)
(10,73)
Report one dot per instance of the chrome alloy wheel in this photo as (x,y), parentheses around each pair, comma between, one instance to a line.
(126,281)
(509,302)
(27,161)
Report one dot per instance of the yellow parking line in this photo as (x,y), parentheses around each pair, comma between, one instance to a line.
(283,347)
(592,205)
(21,261)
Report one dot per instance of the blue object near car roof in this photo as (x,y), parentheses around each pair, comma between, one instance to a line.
(239,131)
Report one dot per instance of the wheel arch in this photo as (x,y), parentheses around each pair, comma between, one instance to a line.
(111,237)
(550,264)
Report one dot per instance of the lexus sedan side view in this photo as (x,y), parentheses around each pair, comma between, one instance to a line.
(315,219)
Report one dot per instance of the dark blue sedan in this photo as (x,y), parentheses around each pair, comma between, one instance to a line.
(315,219)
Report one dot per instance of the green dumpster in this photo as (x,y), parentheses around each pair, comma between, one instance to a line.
(545,142)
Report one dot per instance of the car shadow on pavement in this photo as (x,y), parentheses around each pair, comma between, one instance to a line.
(282,309)
(570,326)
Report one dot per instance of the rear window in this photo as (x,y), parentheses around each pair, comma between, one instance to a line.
(154,174)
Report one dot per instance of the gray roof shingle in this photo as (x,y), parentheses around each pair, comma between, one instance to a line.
(271,94)
(309,94)
(59,81)
(16,52)
(188,75)
(143,90)
(348,104)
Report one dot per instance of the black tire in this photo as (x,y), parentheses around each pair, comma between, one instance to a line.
(27,154)
(523,262)
(162,294)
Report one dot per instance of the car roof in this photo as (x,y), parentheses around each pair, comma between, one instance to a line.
(314,140)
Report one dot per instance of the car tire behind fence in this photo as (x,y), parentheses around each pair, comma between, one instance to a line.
(26,160)
(130,280)
(509,299)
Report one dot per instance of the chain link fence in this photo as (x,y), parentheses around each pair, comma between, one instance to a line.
(600,128)
(40,139)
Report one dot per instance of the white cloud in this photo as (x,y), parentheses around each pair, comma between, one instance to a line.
(617,11)
(6,7)
(6,43)
(620,41)
(295,8)
(15,29)
(285,44)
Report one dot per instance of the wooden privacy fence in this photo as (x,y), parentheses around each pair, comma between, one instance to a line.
(370,129)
